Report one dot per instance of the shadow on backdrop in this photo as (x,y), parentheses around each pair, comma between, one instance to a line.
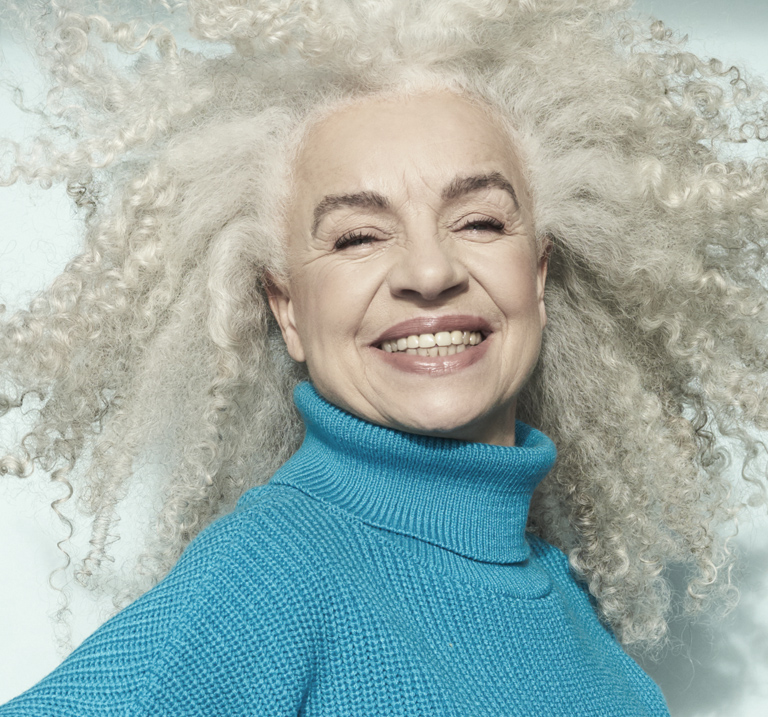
(713,665)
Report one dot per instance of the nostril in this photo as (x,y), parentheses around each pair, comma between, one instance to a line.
(429,292)
(428,275)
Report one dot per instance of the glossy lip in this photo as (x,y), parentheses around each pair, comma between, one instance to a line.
(434,324)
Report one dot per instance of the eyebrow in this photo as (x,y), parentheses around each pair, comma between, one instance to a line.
(368,200)
(464,185)
(373,200)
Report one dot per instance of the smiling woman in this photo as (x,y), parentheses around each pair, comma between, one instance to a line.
(345,269)
(416,232)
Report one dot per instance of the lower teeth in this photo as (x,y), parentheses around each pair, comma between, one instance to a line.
(435,351)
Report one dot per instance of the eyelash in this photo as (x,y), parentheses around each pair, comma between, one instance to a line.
(351,239)
(487,224)
(360,238)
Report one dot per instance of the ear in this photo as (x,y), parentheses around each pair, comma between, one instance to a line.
(541,276)
(282,308)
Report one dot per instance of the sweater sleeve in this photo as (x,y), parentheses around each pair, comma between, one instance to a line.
(226,633)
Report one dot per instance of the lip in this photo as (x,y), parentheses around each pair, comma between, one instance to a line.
(434,324)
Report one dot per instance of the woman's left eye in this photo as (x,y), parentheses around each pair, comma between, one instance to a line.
(483,225)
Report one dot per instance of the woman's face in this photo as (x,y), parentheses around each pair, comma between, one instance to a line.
(410,234)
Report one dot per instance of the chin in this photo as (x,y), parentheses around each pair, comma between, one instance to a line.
(492,422)
(449,425)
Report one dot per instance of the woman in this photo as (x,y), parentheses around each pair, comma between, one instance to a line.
(348,184)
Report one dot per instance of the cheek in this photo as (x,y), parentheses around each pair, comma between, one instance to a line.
(510,278)
(329,303)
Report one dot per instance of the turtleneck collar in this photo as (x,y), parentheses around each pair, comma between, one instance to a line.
(469,498)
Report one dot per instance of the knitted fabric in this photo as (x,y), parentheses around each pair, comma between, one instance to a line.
(377,573)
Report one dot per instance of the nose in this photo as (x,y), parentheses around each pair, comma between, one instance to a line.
(427,268)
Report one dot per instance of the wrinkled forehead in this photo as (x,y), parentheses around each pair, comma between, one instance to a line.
(374,143)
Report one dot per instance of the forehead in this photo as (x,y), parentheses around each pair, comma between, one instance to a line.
(383,143)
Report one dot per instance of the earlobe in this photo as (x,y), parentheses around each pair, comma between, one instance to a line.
(282,308)
(542,268)
(542,306)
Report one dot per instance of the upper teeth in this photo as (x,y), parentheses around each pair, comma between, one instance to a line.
(443,343)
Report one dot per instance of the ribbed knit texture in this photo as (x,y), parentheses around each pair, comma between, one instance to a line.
(378,573)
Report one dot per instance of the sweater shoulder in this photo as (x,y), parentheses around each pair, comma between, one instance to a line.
(557,565)
(267,539)
(240,606)
(261,515)
(546,552)
(262,520)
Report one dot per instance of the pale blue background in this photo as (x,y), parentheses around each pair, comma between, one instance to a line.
(715,671)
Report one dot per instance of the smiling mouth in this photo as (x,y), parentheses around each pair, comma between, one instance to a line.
(442,343)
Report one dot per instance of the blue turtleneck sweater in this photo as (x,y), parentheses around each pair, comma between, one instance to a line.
(377,573)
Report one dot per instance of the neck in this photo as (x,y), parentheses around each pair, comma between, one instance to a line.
(497,429)
(469,498)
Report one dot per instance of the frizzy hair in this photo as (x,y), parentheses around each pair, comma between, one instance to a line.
(157,339)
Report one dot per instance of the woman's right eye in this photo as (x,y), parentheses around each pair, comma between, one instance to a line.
(353,239)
